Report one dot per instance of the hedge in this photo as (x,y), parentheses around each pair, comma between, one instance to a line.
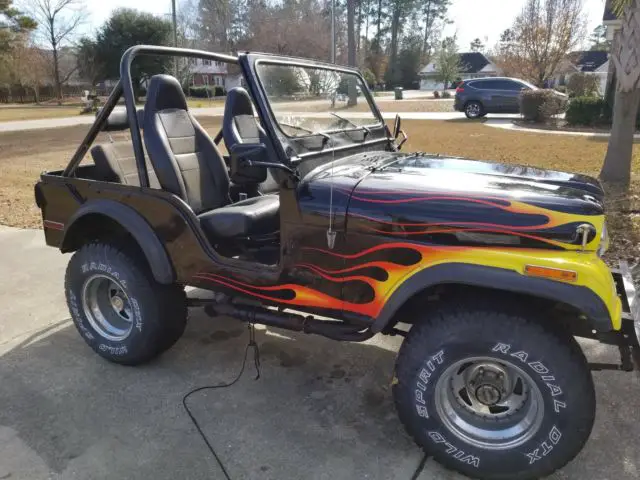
(591,111)
(206,92)
(540,105)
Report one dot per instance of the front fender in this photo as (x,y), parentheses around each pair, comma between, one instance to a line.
(595,295)
(133,223)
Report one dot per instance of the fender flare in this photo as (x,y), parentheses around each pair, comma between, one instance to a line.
(136,225)
(582,298)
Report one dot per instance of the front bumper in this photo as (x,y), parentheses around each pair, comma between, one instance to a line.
(626,278)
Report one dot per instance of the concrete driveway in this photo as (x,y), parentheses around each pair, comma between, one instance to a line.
(321,410)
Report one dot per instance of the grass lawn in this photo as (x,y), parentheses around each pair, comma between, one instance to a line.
(23,155)
(10,114)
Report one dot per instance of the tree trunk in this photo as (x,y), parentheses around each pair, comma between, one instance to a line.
(56,74)
(393,54)
(358,33)
(379,24)
(625,55)
(351,50)
(427,20)
(617,163)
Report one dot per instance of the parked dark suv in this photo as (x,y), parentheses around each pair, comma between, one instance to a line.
(480,96)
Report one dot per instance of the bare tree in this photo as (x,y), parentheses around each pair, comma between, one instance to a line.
(625,55)
(541,37)
(58,23)
(447,62)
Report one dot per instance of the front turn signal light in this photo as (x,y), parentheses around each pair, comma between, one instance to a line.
(551,273)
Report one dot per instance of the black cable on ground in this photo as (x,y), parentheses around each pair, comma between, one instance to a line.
(256,360)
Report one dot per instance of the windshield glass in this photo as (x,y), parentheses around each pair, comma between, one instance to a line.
(307,100)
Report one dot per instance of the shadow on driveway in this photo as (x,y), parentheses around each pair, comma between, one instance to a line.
(321,410)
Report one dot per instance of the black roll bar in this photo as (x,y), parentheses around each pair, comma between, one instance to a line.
(125,87)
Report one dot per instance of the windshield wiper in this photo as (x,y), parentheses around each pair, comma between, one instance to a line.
(360,127)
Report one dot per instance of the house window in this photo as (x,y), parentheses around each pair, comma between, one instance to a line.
(193,61)
(206,62)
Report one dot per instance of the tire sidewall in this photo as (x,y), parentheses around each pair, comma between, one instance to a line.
(566,415)
(104,260)
(473,117)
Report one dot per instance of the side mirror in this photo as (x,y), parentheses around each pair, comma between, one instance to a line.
(396,126)
(397,132)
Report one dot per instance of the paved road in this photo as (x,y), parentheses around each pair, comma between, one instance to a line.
(321,410)
(218,112)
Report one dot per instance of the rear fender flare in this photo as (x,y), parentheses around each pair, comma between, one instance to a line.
(133,223)
(581,298)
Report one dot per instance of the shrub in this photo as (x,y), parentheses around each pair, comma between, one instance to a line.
(206,91)
(588,111)
(582,85)
(592,111)
(436,94)
(541,105)
(200,92)
(446,94)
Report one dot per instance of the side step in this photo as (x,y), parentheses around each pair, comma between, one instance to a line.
(288,321)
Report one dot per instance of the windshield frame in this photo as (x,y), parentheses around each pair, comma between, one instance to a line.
(322,66)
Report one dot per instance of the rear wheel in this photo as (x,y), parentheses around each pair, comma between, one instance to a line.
(492,393)
(119,309)
(474,110)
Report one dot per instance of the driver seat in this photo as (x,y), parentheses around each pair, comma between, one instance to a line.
(239,125)
(188,164)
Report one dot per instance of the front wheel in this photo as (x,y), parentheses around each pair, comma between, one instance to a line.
(493,394)
(474,110)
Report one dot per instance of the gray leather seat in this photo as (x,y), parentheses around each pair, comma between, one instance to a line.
(189,165)
(115,162)
(240,126)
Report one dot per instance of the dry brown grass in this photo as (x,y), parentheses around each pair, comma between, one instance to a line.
(10,114)
(24,155)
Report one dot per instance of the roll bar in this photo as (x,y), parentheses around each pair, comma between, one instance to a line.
(125,87)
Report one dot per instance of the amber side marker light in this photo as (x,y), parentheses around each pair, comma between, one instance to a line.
(552,273)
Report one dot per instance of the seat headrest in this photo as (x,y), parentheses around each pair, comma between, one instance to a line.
(165,92)
(117,120)
(238,102)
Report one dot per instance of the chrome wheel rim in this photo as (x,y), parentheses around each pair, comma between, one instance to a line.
(488,403)
(107,307)
(473,109)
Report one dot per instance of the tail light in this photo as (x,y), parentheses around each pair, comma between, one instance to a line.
(460,88)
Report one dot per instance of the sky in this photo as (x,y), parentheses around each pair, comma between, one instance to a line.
(484,19)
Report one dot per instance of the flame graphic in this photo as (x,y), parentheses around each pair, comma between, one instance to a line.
(536,218)
(299,295)
(384,276)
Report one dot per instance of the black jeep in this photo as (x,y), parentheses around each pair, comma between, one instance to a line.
(316,222)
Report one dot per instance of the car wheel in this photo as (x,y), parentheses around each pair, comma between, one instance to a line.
(474,110)
(491,393)
(121,312)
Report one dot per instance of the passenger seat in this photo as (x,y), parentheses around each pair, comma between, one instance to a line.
(115,161)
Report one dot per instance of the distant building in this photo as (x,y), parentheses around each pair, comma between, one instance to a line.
(474,65)
(211,72)
(588,62)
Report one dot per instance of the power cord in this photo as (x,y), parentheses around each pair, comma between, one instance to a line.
(256,362)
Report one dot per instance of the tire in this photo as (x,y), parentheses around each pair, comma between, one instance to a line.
(119,309)
(466,349)
(474,110)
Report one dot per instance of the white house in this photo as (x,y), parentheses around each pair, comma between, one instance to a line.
(474,65)
(589,62)
(211,72)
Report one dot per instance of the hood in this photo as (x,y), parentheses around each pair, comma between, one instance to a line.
(449,200)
